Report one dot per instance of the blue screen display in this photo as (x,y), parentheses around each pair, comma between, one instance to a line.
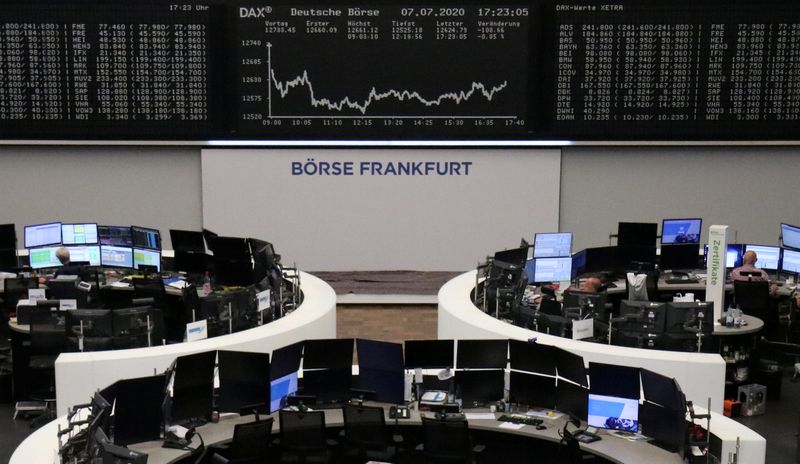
(280,389)
(681,231)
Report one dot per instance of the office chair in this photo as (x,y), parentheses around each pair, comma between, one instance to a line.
(17,289)
(151,288)
(250,444)
(752,297)
(366,434)
(66,288)
(113,298)
(550,307)
(302,437)
(448,441)
(569,450)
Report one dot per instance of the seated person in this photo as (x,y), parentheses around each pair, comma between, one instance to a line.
(749,260)
(591,285)
(66,268)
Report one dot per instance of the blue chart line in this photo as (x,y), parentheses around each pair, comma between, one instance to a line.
(284,87)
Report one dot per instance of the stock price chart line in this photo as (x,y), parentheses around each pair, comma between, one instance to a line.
(351,70)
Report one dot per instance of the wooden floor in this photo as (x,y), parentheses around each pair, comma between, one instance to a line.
(391,323)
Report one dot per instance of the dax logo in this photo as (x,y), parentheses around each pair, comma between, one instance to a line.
(254,12)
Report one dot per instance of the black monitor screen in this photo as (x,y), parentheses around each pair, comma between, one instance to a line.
(243,380)
(373,354)
(791,236)
(195,370)
(482,354)
(8,236)
(533,390)
(643,316)
(429,354)
(333,353)
(680,315)
(572,399)
(95,323)
(681,231)
(532,357)
(328,385)
(115,235)
(662,390)
(666,427)
(286,360)
(130,321)
(637,234)
(137,409)
(193,387)
(601,259)
(612,380)
(686,256)
(387,385)
(571,367)
(187,240)
(631,257)
(579,263)
(515,256)
(480,387)
(146,238)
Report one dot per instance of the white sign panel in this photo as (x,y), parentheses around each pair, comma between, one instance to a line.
(715,279)
(36,294)
(197,330)
(582,329)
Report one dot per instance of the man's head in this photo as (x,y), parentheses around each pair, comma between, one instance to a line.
(591,284)
(63,255)
(750,257)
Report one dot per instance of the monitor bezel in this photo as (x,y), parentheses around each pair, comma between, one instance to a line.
(780,255)
(149,229)
(96,226)
(537,234)
(41,245)
(663,221)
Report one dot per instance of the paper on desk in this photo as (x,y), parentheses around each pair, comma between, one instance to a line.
(511,425)
(119,284)
(544,413)
(479,415)
(179,284)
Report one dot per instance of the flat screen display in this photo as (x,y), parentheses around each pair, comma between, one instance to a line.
(429,354)
(43,235)
(86,254)
(42,258)
(791,261)
(79,234)
(791,236)
(768,256)
(142,256)
(115,235)
(280,389)
(637,234)
(552,269)
(733,257)
(681,231)
(146,238)
(610,412)
(115,256)
(552,245)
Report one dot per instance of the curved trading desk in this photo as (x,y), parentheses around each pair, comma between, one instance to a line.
(701,376)
(41,446)
(80,375)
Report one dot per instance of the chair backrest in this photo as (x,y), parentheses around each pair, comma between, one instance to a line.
(251,440)
(302,431)
(113,298)
(751,297)
(48,333)
(551,307)
(150,288)
(365,426)
(447,440)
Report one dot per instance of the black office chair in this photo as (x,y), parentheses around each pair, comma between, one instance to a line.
(114,298)
(67,289)
(366,434)
(550,307)
(151,288)
(569,451)
(752,297)
(250,444)
(448,441)
(302,437)
(17,289)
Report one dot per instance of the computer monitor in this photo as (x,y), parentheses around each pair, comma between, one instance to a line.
(662,390)
(684,256)
(42,258)
(8,236)
(429,354)
(243,380)
(572,399)
(552,269)
(144,237)
(115,256)
(530,270)
(613,412)
(328,385)
(280,390)
(681,231)
(552,245)
(115,235)
(96,323)
(613,380)
(187,240)
(642,316)
(534,390)
(480,387)
(571,367)
(733,256)
(43,235)
(482,354)
(601,259)
(579,263)
(689,314)
(286,360)
(515,256)
(192,387)
(137,409)
(130,321)
(332,353)
(381,369)
(532,357)
(632,257)
(79,234)
(587,302)
(667,428)
(791,236)
(790,262)
(644,234)
(769,257)
(142,256)
(85,254)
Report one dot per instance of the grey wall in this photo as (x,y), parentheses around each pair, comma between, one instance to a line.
(155,187)
(750,189)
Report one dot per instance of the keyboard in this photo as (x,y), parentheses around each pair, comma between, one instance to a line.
(683,281)
(520,419)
